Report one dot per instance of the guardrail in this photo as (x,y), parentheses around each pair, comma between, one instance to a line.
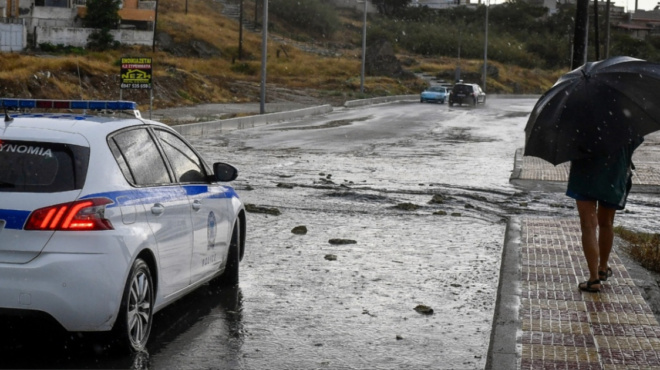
(218,126)
(204,128)
(379,100)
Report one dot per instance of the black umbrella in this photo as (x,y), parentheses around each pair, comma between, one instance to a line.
(595,110)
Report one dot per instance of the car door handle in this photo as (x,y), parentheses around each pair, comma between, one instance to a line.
(196,205)
(157,209)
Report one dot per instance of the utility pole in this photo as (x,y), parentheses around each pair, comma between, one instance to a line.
(580,34)
(256,13)
(153,41)
(607,29)
(457,76)
(364,47)
(240,30)
(596,26)
(264,57)
(486,48)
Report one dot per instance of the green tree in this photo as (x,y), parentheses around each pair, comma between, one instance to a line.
(102,15)
(623,44)
(391,7)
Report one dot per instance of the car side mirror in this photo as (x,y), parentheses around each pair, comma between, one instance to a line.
(224,172)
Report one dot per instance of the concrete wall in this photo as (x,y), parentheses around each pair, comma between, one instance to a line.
(205,128)
(355,5)
(13,37)
(78,36)
(43,16)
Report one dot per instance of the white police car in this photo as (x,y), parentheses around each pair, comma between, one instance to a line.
(106,220)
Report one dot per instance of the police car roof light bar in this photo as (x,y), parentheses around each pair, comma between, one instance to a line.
(9,103)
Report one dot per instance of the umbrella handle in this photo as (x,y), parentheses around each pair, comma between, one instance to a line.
(585,74)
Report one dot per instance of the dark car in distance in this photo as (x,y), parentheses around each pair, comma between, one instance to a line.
(466,93)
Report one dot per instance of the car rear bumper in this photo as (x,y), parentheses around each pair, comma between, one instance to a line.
(81,291)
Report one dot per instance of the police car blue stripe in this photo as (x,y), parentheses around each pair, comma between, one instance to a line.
(194,190)
(161,193)
(14,219)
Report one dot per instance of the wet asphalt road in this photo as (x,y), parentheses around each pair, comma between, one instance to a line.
(418,194)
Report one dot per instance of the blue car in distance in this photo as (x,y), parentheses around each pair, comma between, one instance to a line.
(435,94)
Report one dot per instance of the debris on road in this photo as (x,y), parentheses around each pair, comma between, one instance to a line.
(424,310)
(330,257)
(407,206)
(259,209)
(342,241)
(299,230)
(437,199)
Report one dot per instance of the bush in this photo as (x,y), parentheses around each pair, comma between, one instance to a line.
(312,15)
(101,40)
(60,49)
(622,44)
(244,68)
(642,247)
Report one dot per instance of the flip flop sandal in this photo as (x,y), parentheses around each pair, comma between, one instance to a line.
(603,275)
(587,286)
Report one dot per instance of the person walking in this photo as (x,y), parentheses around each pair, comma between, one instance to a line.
(600,187)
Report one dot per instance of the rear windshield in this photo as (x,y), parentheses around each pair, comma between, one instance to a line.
(40,167)
(463,88)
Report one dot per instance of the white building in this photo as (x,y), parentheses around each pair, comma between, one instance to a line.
(443,4)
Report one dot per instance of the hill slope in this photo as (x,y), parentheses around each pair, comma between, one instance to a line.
(195,61)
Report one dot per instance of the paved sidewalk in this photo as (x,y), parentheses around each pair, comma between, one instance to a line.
(542,319)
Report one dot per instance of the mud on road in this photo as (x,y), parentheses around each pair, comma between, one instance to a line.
(425,219)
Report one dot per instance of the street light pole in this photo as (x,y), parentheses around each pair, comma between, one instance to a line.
(457,75)
(364,47)
(264,57)
(240,30)
(486,48)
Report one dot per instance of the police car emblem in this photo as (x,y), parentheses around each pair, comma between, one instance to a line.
(212,230)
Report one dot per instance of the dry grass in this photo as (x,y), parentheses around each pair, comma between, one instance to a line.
(190,80)
(642,247)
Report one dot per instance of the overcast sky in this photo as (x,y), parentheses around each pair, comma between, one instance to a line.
(629,5)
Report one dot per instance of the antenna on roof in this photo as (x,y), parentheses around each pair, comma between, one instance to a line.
(7,118)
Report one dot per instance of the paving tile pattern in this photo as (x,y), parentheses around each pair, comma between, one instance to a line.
(645,158)
(564,328)
(537,169)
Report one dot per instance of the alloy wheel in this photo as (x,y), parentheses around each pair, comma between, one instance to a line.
(139,308)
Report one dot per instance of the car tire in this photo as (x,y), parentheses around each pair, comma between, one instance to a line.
(421,100)
(133,326)
(230,277)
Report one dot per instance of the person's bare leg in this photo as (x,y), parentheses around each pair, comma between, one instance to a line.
(589,225)
(605,236)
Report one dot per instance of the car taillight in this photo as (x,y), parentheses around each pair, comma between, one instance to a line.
(84,215)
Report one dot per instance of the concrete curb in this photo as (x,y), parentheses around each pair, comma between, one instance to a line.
(503,349)
(532,184)
(204,128)
(378,100)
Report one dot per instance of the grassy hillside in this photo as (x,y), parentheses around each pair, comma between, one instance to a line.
(195,62)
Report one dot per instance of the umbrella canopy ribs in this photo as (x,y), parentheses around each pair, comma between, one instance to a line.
(594,110)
